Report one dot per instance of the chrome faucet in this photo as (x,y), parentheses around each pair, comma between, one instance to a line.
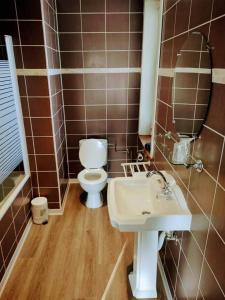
(166,189)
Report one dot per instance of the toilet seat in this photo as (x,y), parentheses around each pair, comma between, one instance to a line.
(90,176)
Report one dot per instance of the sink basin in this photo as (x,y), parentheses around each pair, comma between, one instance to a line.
(137,204)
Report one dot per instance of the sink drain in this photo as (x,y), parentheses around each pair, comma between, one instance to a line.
(145,212)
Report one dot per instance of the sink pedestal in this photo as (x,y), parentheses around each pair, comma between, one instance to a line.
(143,277)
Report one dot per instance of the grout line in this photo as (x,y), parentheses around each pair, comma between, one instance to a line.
(189,19)
(214,277)
(48,187)
(213,130)
(94,105)
(101,51)
(102,89)
(84,70)
(212,7)
(166,11)
(164,102)
(84,91)
(128,81)
(102,13)
(173,292)
(197,87)
(193,28)
(182,286)
(1,253)
(9,252)
(178,262)
(181,250)
(97,32)
(50,6)
(91,120)
(210,224)
(106,79)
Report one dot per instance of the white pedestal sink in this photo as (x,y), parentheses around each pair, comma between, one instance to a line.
(136,204)
(143,277)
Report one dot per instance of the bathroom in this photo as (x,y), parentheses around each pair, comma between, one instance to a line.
(97,71)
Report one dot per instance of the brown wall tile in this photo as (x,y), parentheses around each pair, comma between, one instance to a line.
(26,27)
(117,59)
(93,23)
(93,41)
(94,127)
(90,6)
(69,23)
(97,92)
(202,186)
(75,112)
(137,5)
(71,60)
(42,126)
(72,81)
(118,41)
(117,23)
(37,86)
(29,10)
(200,12)
(70,6)
(70,42)
(117,6)
(95,59)
(96,112)
(214,255)
(95,97)
(209,285)
(29,53)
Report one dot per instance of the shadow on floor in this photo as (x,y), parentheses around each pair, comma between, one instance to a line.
(83,197)
(160,293)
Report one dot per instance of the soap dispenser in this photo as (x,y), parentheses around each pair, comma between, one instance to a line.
(181,150)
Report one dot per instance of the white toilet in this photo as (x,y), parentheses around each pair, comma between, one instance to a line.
(93,156)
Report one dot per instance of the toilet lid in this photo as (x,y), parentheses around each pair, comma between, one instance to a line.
(92,154)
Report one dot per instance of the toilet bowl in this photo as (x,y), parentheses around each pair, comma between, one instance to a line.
(93,156)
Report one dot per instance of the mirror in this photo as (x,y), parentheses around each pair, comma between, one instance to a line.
(191,86)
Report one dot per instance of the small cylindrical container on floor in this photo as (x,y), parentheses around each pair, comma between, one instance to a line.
(39,208)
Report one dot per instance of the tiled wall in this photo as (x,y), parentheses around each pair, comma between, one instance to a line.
(42,107)
(55,89)
(41,95)
(12,226)
(195,265)
(95,38)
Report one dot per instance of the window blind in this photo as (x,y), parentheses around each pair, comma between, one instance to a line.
(10,144)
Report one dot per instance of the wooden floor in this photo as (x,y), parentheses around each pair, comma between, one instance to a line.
(77,256)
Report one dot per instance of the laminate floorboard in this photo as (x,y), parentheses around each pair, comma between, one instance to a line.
(73,258)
